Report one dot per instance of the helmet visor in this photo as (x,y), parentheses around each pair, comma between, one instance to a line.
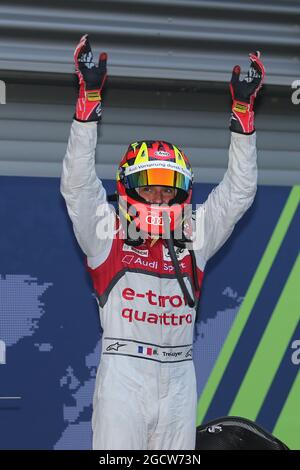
(158,176)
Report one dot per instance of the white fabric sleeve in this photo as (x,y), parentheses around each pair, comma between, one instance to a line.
(228,201)
(92,217)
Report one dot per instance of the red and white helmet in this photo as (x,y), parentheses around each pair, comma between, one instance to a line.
(154,163)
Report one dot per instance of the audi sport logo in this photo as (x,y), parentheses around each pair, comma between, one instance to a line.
(127,259)
(155,219)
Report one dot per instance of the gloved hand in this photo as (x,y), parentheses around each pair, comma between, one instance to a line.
(244,93)
(91,80)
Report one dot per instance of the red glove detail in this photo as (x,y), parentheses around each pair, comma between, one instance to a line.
(244,93)
(91,81)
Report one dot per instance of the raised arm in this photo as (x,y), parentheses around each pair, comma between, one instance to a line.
(81,188)
(228,202)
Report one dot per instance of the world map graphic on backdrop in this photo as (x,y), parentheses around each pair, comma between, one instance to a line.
(21,319)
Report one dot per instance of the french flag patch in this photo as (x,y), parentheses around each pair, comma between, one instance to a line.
(145,350)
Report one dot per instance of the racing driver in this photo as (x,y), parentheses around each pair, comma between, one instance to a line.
(146,273)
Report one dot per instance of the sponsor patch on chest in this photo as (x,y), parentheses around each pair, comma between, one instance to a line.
(180,253)
(138,251)
(139,262)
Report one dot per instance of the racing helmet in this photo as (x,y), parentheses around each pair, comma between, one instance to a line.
(154,163)
(235,433)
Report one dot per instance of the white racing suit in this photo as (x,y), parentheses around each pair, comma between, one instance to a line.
(145,392)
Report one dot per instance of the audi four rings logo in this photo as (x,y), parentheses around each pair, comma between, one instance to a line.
(155,219)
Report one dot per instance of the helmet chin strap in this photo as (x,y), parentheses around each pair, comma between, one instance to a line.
(153,240)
